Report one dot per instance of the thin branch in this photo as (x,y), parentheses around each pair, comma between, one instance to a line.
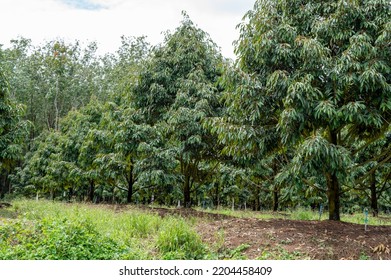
(373,169)
(387,151)
(367,144)
(256,185)
(121,188)
(145,188)
(383,188)
(385,198)
(312,184)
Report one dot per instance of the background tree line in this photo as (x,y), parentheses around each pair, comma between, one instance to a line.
(302,117)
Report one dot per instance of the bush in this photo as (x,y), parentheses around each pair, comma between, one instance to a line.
(56,239)
(177,241)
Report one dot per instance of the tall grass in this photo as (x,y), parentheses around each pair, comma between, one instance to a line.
(177,241)
(53,230)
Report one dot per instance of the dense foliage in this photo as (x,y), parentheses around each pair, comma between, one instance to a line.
(312,83)
(301,118)
(13,131)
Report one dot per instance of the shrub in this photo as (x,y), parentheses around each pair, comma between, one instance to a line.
(177,241)
(56,239)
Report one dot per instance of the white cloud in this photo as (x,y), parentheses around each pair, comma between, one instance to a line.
(49,19)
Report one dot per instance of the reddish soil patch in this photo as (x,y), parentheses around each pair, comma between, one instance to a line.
(287,239)
(299,239)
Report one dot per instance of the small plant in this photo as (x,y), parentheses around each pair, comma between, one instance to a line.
(286,241)
(280,253)
(271,235)
(56,239)
(364,256)
(177,241)
(220,240)
(235,254)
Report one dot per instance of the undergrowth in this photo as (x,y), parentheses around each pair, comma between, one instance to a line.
(48,230)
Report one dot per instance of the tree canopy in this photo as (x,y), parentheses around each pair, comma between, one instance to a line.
(300,119)
(312,78)
(177,89)
(12,130)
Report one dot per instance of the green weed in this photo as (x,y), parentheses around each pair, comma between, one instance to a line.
(83,231)
(364,256)
(177,241)
(235,254)
(56,239)
(280,253)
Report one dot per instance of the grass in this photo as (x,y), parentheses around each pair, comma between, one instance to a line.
(280,253)
(5,213)
(303,214)
(53,230)
(176,241)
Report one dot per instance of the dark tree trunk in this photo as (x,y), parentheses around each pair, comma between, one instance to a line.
(2,184)
(333,193)
(333,190)
(8,184)
(5,184)
(216,199)
(186,192)
(130,185)
(257,205)
(130,192)
(70,194)
(275,199)
(374,205)
(91,191)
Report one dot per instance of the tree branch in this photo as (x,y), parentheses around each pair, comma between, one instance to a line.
(312,184)
(383,188)
(373,169)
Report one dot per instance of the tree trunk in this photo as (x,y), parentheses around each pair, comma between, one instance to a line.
(216,200)
(186,192)
(70,194)
(257,205)
(275,199)
(333,192)
(374,205)
(56,119)
(130,185)
(91,191)
(2,184)
(5,184)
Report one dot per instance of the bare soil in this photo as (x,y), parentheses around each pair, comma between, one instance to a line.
(285,239)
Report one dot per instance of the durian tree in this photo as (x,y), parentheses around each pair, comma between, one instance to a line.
(312,77)
(177,90)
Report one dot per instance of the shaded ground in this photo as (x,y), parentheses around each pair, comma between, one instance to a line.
(288,239)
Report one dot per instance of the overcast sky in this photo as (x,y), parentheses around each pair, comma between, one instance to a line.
(105,21)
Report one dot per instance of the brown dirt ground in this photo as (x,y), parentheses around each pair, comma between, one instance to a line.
(286,239)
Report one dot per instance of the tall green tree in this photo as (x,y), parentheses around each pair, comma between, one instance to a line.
(90,152)
(12,131)
(178,90)
(372,170)
(51,79)
(316,74)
